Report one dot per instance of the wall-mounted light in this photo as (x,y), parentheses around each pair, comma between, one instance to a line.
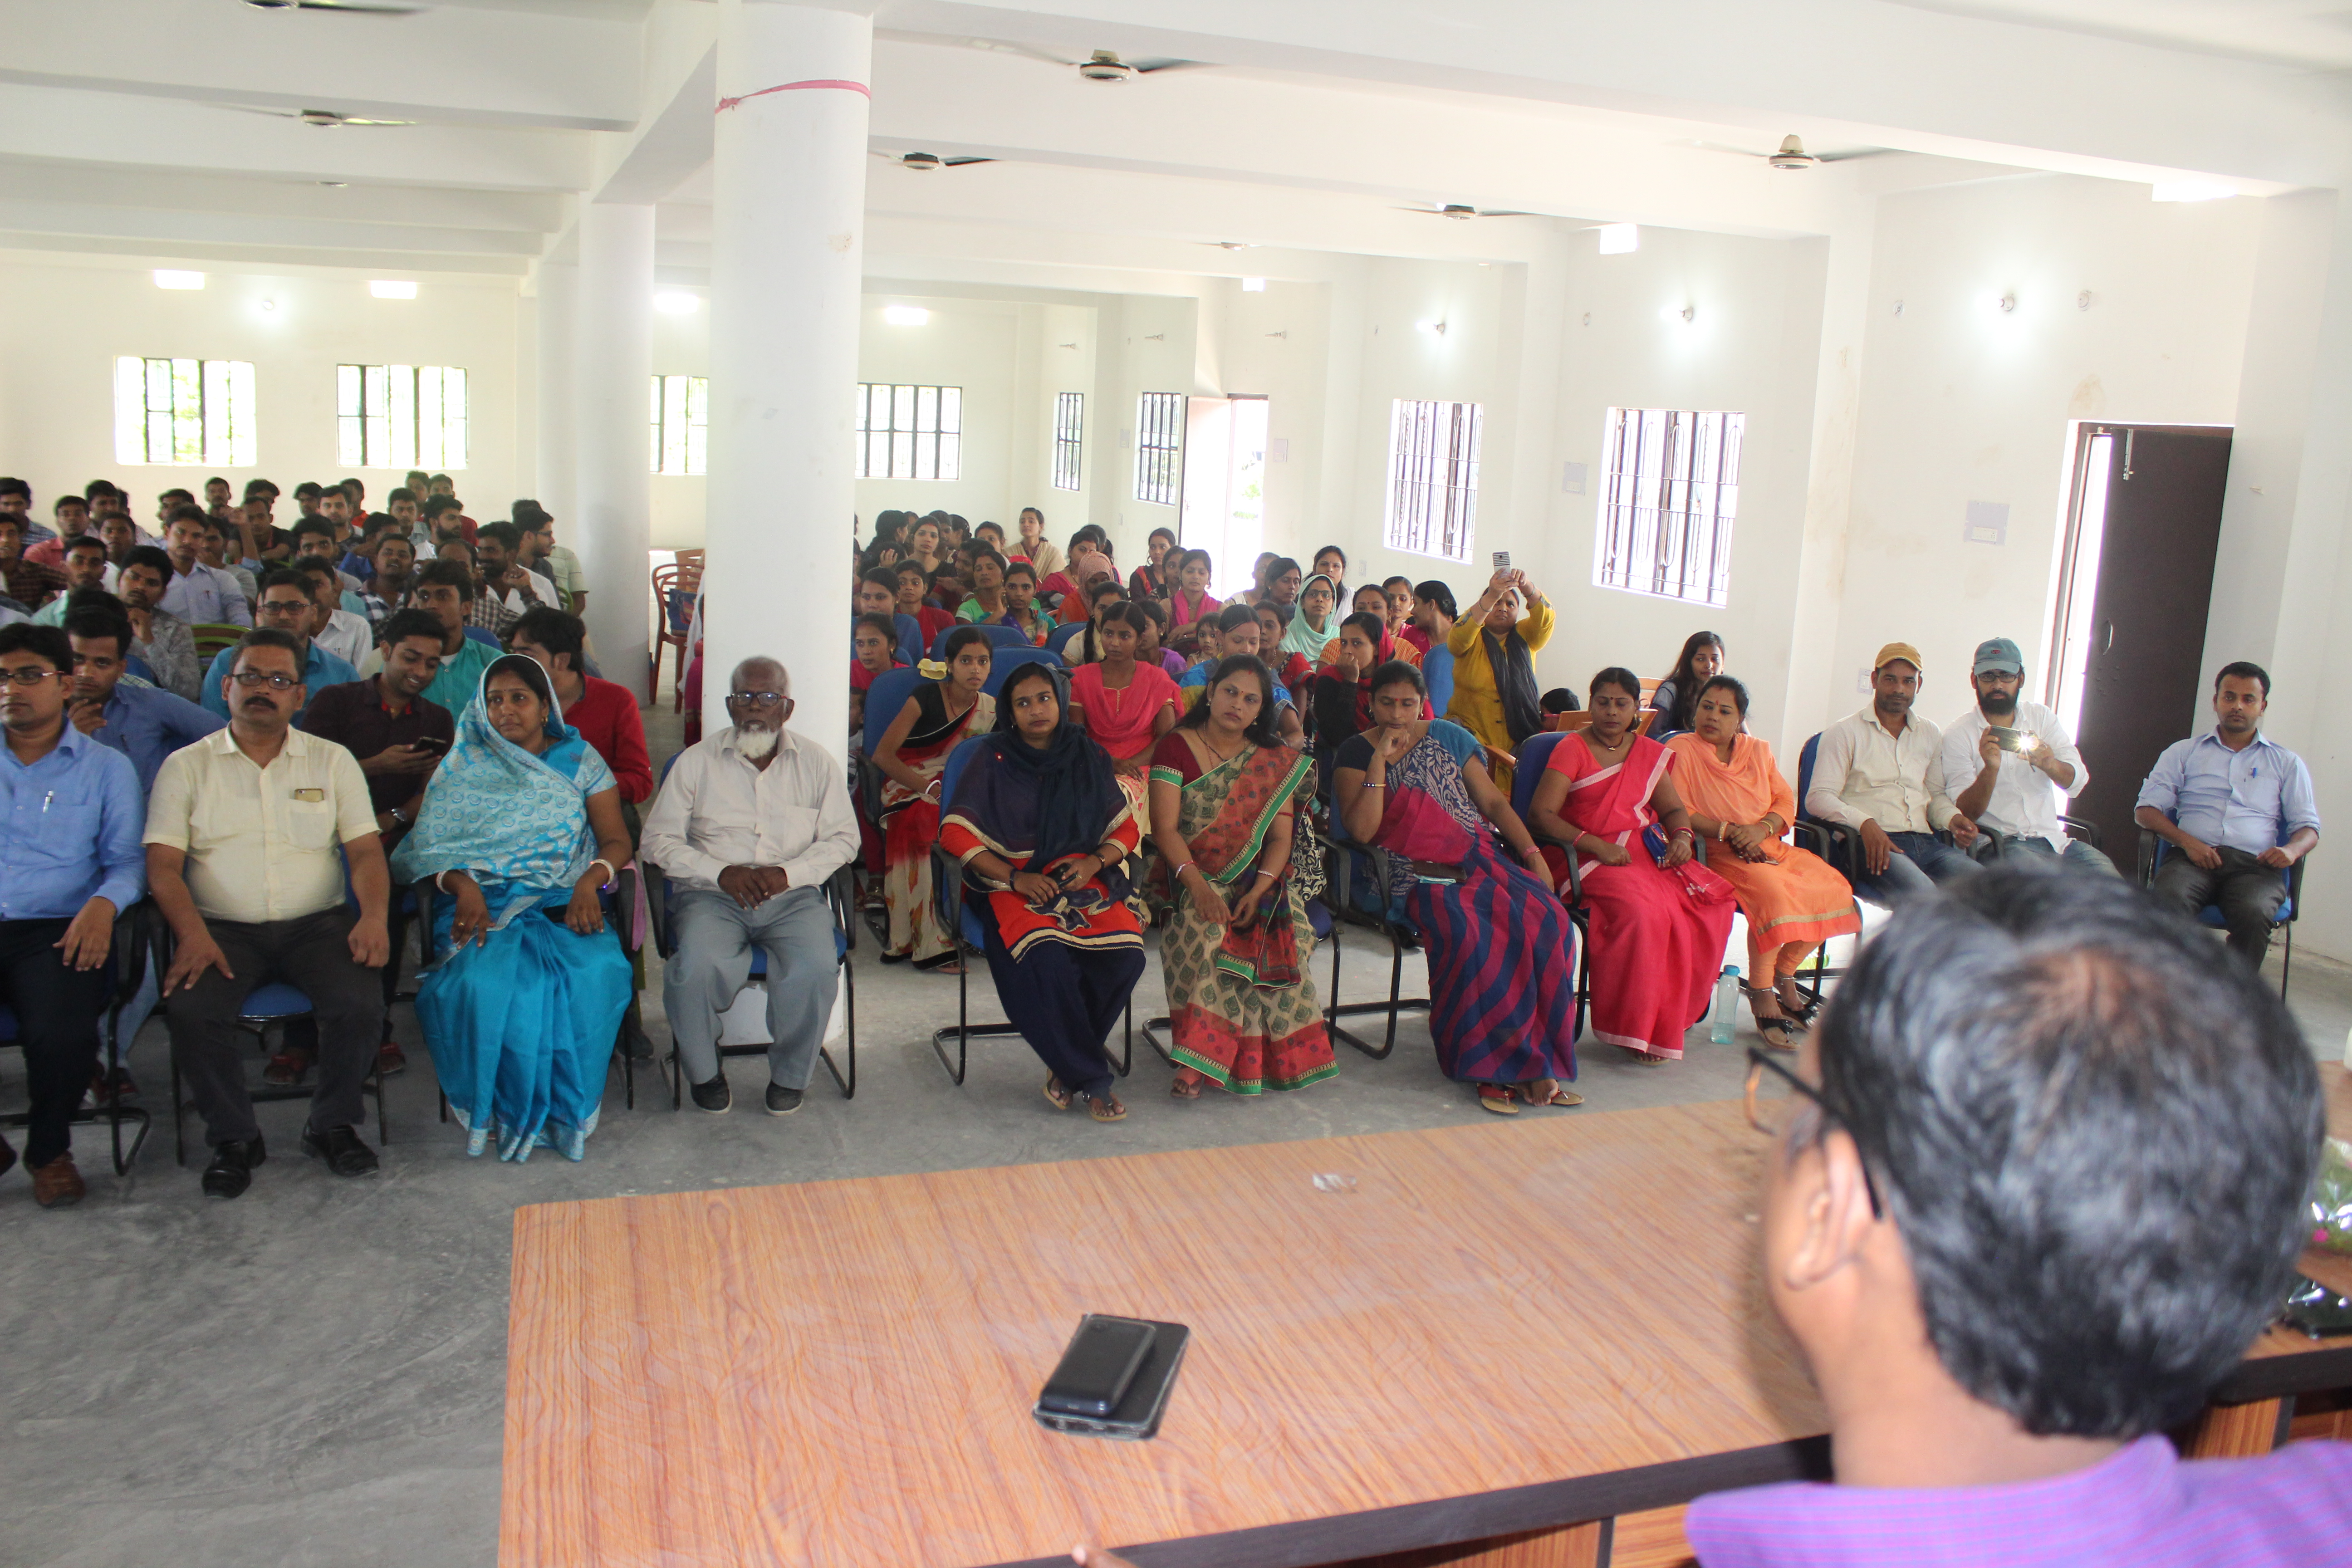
(1620,238)
(677,302)
(2190,191)
(1898,307)
(2006,304)
(905,315)
(1066,345)
(165,277)
(1438,327)
(1684,314)
(392,288)
(2082,300)
(1253,285)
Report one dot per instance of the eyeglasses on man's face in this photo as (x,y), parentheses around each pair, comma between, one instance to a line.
(31,675)
(1770,1116)
(255,679)
(756,699)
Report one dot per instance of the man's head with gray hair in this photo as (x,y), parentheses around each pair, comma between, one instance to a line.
(758,702)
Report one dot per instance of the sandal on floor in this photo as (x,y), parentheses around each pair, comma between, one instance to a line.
(1801,1016)
(1779,1032)
(1056,1095)
(1499,1098)
(1101,1112)
(1178,1089)
(1564,1095)
(1642,1058)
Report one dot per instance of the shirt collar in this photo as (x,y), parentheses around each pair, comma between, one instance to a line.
(2213,737)
(224,742)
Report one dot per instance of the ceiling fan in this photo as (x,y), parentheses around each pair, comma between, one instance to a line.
(1102,65)
(357,8)
(322,118)
(1791,154)
(1461,212)
(924,162)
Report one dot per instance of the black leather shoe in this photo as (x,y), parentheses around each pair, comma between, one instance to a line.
(231,1170)
(635,1043)
(782,1102)
(713,1095)
(342,1150)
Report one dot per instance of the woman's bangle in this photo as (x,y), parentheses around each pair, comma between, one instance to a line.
(1721,828)
(610,872)
(1680,833)
(1177,875)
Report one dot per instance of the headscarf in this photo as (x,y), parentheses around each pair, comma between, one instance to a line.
(1515,681)
(1069,778)
(494,809)
(1299,638)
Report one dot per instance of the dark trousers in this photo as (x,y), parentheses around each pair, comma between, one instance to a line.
(313,956)
(57,1023)
(1064,1000)
(2247,892)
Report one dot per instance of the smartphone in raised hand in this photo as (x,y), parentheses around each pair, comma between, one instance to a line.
(1502,561)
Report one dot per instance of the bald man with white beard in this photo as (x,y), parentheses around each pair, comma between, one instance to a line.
(749,826)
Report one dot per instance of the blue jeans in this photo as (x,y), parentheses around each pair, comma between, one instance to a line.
(1921,861)
(2078,856)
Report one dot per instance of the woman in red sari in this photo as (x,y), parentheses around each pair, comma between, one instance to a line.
(946,707)
(1659,920)
(1192,608)
(1125,705)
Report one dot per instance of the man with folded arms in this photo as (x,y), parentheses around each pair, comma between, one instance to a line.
(197,594)
(159,639)
(749,825)
(2011,792)
(242,837)
(1881,773)
(70,864)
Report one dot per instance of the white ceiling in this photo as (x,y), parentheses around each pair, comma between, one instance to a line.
(126,126)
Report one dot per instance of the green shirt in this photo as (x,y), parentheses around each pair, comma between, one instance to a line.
(52,614)
(460,680)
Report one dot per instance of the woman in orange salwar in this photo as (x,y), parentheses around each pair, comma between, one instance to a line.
(1659,920)
(945,708)
(1793,899)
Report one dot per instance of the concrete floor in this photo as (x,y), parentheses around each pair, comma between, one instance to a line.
(315,1373)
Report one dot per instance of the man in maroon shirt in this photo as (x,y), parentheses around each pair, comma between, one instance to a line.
(604,712)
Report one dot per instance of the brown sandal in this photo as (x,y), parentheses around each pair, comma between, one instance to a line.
(1499,1098)
(1056,1095)
(1105,1110)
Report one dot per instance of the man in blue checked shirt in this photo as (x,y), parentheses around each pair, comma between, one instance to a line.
(73,862)
(2237,810)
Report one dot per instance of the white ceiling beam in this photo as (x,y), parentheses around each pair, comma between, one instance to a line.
(240,228)
(263,258)
(265,196)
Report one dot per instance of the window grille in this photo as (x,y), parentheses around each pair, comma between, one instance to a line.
(1158,447)
(1069,436)
(400,416)
(1433,499)
(194,411)
(909,432)
(681,424)
(1669,491)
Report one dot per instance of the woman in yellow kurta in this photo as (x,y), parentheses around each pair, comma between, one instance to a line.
(1493,668)
(1741,804)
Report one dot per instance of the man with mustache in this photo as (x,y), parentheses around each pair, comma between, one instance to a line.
(749,825)
(242,857)
(285,607)
(2008,763)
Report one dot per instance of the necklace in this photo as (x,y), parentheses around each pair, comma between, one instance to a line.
(1201,735)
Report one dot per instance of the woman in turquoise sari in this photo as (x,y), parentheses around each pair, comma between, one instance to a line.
(520,828)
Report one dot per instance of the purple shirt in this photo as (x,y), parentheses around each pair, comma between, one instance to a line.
(2142,1508)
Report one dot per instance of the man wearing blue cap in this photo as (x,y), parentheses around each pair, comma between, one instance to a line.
(2008,762)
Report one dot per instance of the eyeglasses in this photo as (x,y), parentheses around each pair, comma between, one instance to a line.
(26,675)
(756,699)
(1765,1122)
(255,679)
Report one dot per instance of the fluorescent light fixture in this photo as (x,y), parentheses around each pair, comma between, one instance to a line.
(2191,191)
(1253,285)
(1620,238)
(392,289)
(905,315)
(167,279)
(677,302)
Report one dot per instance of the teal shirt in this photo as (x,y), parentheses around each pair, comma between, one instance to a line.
(460,680)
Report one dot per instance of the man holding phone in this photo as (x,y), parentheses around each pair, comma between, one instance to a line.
(399,738)
(2008,762)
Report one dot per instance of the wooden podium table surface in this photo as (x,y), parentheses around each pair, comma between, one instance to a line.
(1496,1327)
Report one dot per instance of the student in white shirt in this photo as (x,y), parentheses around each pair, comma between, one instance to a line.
(1881,773)
(749,825)
(347,637)
(197,594)
(2011,792)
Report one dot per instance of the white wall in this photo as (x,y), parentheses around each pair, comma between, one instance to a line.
(63,322)
(681,346)
(970,344)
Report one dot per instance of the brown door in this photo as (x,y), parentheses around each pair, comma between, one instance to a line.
(2143,674)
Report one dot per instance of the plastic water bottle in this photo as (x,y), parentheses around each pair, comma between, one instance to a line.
(1727,997)
(2348,1048)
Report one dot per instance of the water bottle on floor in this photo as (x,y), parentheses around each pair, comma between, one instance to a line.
(1727,997)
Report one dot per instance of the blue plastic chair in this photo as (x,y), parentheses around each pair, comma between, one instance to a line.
(273,1005)
(2153,851)
(999,637)
(1008,660)
(482,635)
(841,898)
(961,915)
(127,961)
(1058,640)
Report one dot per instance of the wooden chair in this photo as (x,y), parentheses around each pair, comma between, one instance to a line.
(212,636)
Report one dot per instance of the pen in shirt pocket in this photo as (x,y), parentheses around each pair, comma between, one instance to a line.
(45,802)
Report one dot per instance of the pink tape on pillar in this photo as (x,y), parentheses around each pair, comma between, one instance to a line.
(726,103)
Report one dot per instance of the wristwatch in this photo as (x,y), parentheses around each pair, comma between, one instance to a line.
(400,816)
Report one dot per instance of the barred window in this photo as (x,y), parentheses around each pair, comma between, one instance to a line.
(184,411)
(1669,491)
(1069,434)
(681,424)
(1432,501)
(400,416)
(909,432)
(1158,447)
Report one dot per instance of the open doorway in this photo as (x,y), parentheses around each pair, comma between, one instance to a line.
(1224,485)
(2127,625)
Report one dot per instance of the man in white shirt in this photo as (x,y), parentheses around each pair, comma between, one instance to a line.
(749,825)
(2008,762)
(1881,773)
(248,832)
(347,637)
(197,594)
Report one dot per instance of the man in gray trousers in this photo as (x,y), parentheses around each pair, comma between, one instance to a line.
(749,825)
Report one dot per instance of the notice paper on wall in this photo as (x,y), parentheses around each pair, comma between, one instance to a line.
(1571,479)
(1987,522)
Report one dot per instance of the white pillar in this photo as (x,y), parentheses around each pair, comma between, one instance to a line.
(612,357)
(558,446)
(787,248)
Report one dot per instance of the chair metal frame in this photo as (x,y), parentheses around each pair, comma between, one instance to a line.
(1535,756)
(2152,851)
(131,953)
(1339,876)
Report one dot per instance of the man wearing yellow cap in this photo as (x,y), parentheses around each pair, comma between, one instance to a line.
(1881,773)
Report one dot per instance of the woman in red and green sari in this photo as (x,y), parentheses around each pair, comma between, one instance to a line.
(947,706)
(1224,798)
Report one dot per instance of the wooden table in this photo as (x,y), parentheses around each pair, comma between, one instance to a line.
(1497,1334)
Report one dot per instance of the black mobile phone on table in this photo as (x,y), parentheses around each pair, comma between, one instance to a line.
(2315,1309)
(1081,1379)
(1102,1361)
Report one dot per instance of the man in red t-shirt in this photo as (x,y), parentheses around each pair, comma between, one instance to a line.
(604,712)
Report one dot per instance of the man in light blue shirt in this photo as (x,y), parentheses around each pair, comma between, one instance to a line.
(143,722)
(70,861)
(285,606)
(2237,809)
(197,594)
